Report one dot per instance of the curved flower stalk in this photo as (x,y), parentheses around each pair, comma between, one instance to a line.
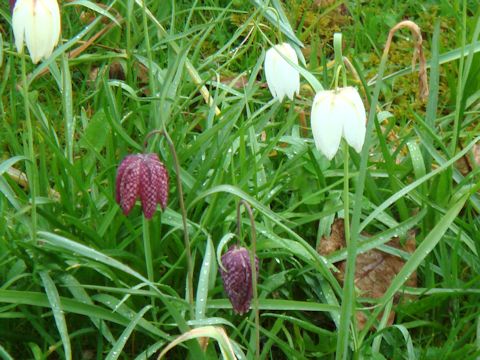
(142,176)
(37,22)
(183,209)
(240,276)
(337,113)
(282,78)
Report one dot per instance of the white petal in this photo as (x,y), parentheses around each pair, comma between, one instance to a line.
(22,15)
(354,127)
(282,78)
(39,34)
(271,60)
(52,5)
(291,77)
(38,23)
(327,123)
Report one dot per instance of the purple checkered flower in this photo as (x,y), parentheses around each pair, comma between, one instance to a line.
(144,176)
(237,277)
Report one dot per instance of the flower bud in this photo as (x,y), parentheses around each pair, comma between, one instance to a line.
(282,78)
(337,113)
(144,176)
(237,277)
(38,23)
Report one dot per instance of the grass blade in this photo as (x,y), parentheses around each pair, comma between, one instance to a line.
(204,281)
(58,312)
(116,350)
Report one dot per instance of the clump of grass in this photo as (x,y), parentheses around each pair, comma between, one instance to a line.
(76,278)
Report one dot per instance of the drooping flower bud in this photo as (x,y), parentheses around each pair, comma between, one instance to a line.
(237,277)
(282,78)
(37,22)
(144,176)
(337,113)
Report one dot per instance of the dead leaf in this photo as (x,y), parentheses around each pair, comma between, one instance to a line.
(335,241)
(116,71)
(374,269)
(467,163)
(463,165)
(203,341)
(236,82)
(476,153)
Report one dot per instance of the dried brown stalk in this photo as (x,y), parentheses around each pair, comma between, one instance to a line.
(417,53)
(21,179)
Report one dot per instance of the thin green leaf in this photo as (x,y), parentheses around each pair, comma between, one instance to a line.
(415,184)
(277,304)
(93,6)
(58,312)
(216,333)
(5,165)
(116,350)
(203,281)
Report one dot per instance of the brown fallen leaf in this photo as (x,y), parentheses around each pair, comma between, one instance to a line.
(374,269)
(236,82)
(467,163)
(476,153)
(116,71)
(463,165)
(21,179)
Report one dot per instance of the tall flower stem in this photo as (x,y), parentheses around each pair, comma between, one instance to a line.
(348,293)
(148,249)
(186,237)
(32,165)
(345,195)
(254,269)
(148,255)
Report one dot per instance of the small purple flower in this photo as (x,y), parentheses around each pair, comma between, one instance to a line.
(237,277)
(144,176)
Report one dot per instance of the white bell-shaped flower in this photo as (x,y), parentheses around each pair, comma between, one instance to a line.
(282,78)
(37,22)
(337,113)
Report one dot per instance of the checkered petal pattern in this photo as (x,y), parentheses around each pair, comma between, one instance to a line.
(142,176)
(237,278)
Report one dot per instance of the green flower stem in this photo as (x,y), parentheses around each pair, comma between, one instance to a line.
(348,294)
(254,270)
(337,46)
(349,283)
(346,197)
(32,164)
(148,254)
(151,75)
(186,237)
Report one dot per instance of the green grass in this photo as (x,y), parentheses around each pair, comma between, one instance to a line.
(78,279)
